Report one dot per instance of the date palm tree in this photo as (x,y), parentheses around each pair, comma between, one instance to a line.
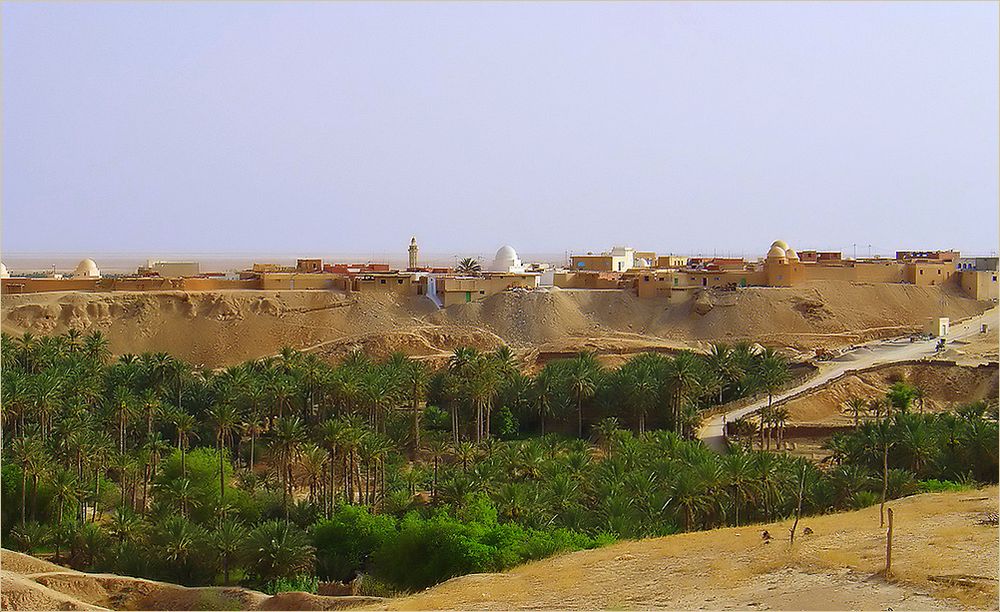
(856,407)
(581,378)
(737,470)
(224,418)
(415,383)
(286,442)
(185,425)
(228,540)
(469,266)
(277,549)
(681,377)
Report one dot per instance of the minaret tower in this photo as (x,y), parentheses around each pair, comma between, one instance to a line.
(413,252)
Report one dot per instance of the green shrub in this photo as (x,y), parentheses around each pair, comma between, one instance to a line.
(346,541)
(933,485)
(435,419)
(299,582)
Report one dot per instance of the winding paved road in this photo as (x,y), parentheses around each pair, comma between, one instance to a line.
(865,356)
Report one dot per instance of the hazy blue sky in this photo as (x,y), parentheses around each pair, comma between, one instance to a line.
(334,127)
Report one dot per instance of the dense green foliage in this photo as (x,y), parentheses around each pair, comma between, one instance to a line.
(280,472)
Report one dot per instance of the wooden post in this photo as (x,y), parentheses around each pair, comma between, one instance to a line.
(888,547)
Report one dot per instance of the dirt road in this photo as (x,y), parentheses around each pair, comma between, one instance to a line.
(865,356)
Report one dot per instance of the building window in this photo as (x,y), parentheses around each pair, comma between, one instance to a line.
(647,278)
(482,293)
(921,271)
(675,280)
(399,282)
(382,281)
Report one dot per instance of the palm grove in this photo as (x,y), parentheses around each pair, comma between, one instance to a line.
(283,471)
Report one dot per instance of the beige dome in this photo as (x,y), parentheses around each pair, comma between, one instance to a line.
(780,244)
(776,252)
(791,255)
(87,269)
(3,271)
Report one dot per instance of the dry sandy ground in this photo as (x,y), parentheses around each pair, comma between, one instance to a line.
(944,386)
(217,328)
(942,559)
(27,583)
(980,348)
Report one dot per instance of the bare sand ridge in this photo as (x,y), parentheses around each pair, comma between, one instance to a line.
(27,583)
(217,328)
(944,384)
(942,559)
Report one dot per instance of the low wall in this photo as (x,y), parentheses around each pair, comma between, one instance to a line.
(799,373)
(13,286)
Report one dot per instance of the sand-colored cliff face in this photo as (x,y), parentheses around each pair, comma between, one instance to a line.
(217,328)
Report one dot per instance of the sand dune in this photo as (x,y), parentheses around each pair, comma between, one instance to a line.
(218,328)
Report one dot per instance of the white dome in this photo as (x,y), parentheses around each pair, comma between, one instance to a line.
(3,271)
(776,252)
(506,260)
(87,269)
(781,244)
(791,255)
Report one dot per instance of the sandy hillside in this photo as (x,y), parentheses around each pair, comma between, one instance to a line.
(976,349)
(223,327)
(942,559)
(943,384)
(27,583)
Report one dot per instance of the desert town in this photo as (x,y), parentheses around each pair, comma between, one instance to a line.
(644,273)
(499,306)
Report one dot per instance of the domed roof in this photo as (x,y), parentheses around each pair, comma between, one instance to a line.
(781,244)
(506,252)
(506,259)
(776,252)
(87,268)
(3,271)
(791,255)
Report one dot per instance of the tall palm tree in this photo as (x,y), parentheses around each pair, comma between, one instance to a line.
(581,378)
(185,425)
(543,391)
(287,439)
(415,381)
(224,418)
(681,378)
(737,471)
(29,454)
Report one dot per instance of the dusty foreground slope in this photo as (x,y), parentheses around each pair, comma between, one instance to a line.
(217,328)
(944,384)
(27,583)
(942,559)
